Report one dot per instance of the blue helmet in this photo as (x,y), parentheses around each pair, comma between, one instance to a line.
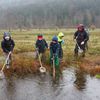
(55,39)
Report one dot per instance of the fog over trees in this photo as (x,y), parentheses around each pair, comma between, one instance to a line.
(48,13)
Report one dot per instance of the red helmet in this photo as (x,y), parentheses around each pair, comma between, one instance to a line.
(80,27)
(40,37)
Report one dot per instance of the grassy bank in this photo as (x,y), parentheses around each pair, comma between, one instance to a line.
(25,42)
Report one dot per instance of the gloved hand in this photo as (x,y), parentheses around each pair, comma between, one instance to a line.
(10,52)
(74,40)
(52,58)
(48,48)
(82,42)
(37,49)
(63,42)
(55,55)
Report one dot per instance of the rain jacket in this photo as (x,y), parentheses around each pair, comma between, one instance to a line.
(60,35)
(41,45)
(60,42)
(81,36)
(7,45)
(54,51)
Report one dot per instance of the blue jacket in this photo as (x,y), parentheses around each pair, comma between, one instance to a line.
(54,48)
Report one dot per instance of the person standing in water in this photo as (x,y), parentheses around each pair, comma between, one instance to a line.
(54,55)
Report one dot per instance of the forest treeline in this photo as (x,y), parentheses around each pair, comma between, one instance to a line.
(50,14)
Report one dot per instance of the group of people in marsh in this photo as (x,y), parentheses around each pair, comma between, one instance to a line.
(56,52)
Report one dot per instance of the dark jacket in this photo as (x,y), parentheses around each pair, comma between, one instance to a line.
(7,46)
(81,36)
(41,45)
(54,48)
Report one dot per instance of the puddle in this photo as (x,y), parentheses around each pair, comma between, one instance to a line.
(73,85)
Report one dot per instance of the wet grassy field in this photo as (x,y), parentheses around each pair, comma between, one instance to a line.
(25,40)
(25,43)
(75,83)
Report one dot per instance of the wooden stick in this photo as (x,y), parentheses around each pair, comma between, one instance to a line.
(5,62)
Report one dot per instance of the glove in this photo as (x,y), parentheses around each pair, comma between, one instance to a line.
(82,42)
(51,58)
(48,48)
(10,52)
(37,49)
(55,55)
(63,42)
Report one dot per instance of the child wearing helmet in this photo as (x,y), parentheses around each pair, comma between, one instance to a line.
(81,37)
(54,52)
(61,41)
(41,46)
(7,45)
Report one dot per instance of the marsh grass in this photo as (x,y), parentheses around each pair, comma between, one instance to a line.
(25,42)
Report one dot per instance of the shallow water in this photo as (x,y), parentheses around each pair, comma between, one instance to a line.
(72,85)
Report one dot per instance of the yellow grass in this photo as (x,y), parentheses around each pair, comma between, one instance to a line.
(25,42)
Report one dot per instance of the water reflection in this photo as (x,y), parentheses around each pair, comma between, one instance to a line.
(41,87)
(10,88)
(80,82)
